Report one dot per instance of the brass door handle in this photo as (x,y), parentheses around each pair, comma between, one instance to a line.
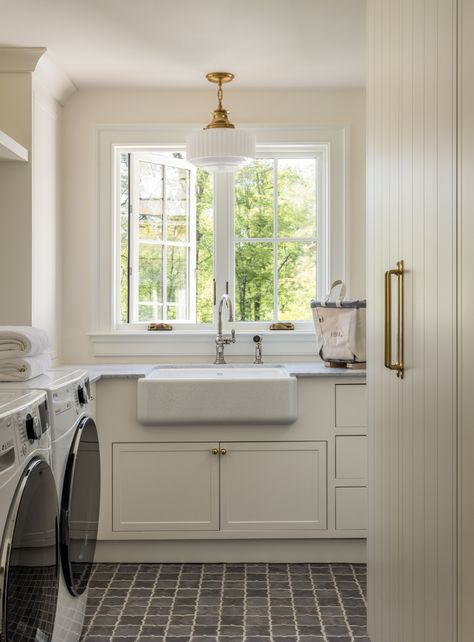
(398,365)
(215,451)
(223,451)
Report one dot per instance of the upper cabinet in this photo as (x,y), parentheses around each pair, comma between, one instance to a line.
(10,150)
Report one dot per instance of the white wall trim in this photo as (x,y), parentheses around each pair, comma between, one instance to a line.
(109,137)
(145,344)
(20,59)
(283,551)
(53,79)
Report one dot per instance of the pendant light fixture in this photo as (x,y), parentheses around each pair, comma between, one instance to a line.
(220,147)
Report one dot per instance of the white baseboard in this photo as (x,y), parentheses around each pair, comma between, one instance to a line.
(334,550)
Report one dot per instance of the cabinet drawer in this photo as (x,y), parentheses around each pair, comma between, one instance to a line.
(351,457)
(351,405)
(351,508)
(165,487)
(273,486)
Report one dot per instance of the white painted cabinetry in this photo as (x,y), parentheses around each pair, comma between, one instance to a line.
(234,483)
(252,486)
(273,486)
(165,487)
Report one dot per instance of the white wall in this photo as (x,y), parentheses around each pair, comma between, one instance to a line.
(46,255)
(88,108)
(29,208)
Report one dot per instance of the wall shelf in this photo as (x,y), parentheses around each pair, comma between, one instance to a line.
(10,150)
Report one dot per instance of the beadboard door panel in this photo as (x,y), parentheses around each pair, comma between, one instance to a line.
(411,103)
(466,320)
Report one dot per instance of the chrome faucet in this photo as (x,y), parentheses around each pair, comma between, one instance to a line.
(223,339)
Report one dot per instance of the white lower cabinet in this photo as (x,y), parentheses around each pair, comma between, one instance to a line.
(165,487)
(251,486)
(273,486)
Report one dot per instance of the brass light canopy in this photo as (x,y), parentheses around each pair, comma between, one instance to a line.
(220,146)
(220,116)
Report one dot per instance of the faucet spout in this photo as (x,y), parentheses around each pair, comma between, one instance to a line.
(221,339)
(225,298)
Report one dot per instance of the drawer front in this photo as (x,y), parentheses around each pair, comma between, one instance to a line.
(351,457)
(351,405)
(351,508)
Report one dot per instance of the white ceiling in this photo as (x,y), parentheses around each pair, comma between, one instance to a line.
(173,43)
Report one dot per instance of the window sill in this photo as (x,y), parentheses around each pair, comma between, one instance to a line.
(181,343)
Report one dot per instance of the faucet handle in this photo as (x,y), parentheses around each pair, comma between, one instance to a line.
(232,335)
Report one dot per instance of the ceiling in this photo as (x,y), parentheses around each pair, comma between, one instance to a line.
(173,43)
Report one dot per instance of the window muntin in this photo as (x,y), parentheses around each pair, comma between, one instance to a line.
(275,229)
(282,233)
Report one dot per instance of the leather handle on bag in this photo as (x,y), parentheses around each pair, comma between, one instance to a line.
(342,293)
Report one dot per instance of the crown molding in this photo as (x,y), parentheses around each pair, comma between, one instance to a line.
(20,59)
(52,78)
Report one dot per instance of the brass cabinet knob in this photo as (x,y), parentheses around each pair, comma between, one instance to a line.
(223,451)
(215,451)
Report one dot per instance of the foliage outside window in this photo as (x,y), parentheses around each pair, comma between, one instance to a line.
(168,235)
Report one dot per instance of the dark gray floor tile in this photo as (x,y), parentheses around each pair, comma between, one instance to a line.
(210,603)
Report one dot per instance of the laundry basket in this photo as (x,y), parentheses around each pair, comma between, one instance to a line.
(340,329)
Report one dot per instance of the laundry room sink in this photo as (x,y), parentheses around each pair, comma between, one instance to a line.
(215,394)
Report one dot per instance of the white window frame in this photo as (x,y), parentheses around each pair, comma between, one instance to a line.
(134,238)
(110,338)
(225,270)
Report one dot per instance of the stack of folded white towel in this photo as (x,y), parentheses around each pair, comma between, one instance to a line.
(23,352)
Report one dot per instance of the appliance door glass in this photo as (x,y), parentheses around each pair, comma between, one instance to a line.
(30,558)
(80,507)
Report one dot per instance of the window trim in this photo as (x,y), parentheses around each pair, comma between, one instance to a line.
(110,339)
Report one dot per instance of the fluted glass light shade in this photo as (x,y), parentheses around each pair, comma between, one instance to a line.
(220,150)
(220,147)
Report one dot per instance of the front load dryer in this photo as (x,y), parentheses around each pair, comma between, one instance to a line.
(76,468)
(29,518)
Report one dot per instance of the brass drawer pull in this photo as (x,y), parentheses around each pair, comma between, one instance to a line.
(223,451)
(399,272)
(215,451)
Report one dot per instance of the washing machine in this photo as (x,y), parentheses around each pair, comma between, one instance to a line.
(29,519)
(76,469)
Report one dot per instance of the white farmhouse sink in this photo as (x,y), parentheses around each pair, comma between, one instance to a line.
(214,394)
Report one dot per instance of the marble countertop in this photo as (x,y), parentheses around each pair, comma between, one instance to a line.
(136,370)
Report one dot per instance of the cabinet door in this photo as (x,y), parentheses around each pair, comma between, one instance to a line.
(273,486)
(411,216)
(165,487)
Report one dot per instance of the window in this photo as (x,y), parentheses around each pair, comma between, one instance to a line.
(172,239)
(158,230)
(269,249)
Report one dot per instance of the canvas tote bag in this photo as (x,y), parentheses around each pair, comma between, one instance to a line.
(340,328)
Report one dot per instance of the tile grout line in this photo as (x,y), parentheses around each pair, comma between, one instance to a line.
(147,610)
(244,618)
(196,606)
(269,603)
(292,598)
(341,603)
(318,607)
(221,603)
(101,601)
(359,586)
(119,616)
(173,601)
